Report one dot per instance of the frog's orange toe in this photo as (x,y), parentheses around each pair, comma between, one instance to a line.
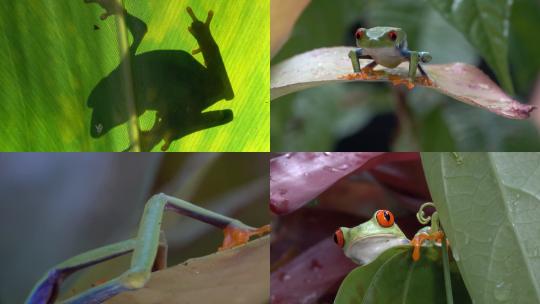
(234,237)
(416,253)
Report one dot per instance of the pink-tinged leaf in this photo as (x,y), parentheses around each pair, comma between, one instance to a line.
(297,178)
(535,101)
(358,196)
(461,81)
(310,275)
(296,232)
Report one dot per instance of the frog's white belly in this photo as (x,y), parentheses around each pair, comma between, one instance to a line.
(365,250)
(389,57)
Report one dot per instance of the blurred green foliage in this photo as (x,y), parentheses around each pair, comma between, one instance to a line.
(317,119)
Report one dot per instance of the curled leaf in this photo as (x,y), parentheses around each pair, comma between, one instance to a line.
(460,81)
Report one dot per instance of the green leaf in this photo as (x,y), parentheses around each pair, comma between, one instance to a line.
(486,24)
(56,52)
(394,277)
(489,207)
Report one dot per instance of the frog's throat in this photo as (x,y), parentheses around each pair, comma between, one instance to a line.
(366,249)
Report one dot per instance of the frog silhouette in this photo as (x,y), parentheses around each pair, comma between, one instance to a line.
(171,82)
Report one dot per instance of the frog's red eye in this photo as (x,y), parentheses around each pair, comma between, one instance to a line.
(392,35)
(338,238)
(359,34)
(385,218)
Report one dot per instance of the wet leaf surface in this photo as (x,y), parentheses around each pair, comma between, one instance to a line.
(311,274)
(460,81)
(297,178)
(489,206)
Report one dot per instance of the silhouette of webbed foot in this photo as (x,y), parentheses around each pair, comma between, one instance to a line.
(111,7)
(199,28)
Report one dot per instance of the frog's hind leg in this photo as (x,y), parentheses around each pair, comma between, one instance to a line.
(368,69)
(204,120)
(48,288)
(421,69)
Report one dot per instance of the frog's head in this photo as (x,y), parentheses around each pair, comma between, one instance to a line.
(380,37)
(367,241)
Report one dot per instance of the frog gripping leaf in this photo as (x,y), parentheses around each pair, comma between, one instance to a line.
(148,248)
(387,46)
(390,265)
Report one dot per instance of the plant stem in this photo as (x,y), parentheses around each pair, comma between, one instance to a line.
(125,66)
(446,270)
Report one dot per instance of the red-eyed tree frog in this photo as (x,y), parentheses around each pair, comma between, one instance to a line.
(387,46)
(365,242)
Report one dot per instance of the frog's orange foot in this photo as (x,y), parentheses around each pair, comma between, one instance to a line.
(418,239)
(369,74)
(234,237)
(356,76)
(364,74)
(416,242)
(397,80)
(366,70)
(425,81)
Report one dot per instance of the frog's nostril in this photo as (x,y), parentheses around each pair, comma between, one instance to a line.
(338,238)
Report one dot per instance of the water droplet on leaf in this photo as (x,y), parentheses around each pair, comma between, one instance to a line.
(502,291)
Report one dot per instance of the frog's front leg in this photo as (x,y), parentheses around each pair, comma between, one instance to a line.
(197,28)
(415,58)
(355,56)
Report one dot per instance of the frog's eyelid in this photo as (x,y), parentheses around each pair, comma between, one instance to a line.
(339,238)
(392,35)
(360,33)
